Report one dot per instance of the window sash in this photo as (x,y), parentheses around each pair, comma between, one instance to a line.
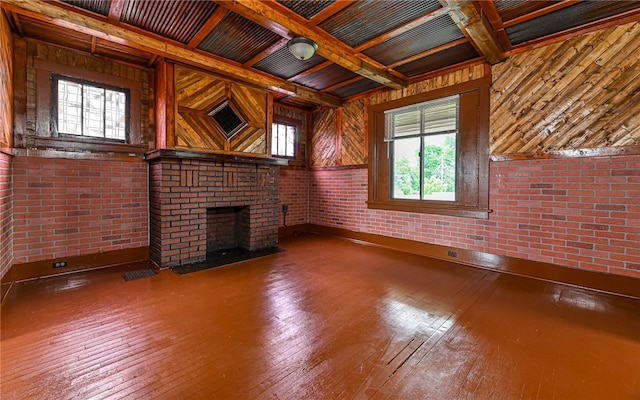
(283,140)
(427,118)
(91,111)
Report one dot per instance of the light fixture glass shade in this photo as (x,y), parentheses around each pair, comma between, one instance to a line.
(302,48)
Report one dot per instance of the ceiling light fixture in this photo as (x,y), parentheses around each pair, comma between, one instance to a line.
(302,48)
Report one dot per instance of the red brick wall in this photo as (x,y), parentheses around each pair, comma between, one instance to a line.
(64,208)
(6,223)
(294,191)
(182,190)
(582,213)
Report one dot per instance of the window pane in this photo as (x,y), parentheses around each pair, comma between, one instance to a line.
(405,168)
(115,115)
(441,115)
(274,139)
(407,123)
(69,108)
(440,167)
(93,121)
(282,141)
(291,138)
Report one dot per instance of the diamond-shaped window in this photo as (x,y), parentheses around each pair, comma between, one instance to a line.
(228,118)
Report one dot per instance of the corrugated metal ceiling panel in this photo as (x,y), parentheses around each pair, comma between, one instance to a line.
(326,77)
(307,9)
(355,88)
(238,39)
(368,19)
(567,18)
(96,6)
(510,9)
(426,36)
(175,19)
(441,59)
(283,64)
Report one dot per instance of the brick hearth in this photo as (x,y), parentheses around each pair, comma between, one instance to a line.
(184,185)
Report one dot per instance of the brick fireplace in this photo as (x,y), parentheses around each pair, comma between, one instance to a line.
(201,203)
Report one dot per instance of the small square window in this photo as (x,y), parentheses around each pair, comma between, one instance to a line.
(283,140)
(228,119)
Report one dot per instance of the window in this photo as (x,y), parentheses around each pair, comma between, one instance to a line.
(283,140)
(228,118)
(423,149)
(430,152)
(90,110)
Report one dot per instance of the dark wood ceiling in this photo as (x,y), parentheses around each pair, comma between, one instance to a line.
(364,45)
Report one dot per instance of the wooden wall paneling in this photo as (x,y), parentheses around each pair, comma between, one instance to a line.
(197,131)
(252,103)
(198,90)
(459,76)
(20,92)
(323,143)
(353,133)
(578,94)
(338,153)
(249,140)
(6,90)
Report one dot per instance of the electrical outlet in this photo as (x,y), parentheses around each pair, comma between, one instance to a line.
(59,264)
(452,253)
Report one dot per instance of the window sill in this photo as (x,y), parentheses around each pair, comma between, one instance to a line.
(76,148)
(451,210)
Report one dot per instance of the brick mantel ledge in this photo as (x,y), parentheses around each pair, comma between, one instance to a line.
(204,156)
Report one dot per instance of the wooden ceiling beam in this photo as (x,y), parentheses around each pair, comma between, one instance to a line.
(311,70)
(539,13)
(266,52)
(403,28)
(467,16)
(208,26)
(276,17)
(115,11)
(429,52)
(63,18)
(330,11)
(491,11)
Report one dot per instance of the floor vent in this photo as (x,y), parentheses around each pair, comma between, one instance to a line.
(138,274)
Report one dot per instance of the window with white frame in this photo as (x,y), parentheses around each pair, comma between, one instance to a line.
(283,140)
(89,110)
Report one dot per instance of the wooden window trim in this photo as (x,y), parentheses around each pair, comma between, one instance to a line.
(44,80)
(296,160)
(472,178)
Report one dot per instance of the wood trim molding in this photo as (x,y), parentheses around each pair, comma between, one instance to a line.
(609,283)
(42,269)
(574,153)
(338,167)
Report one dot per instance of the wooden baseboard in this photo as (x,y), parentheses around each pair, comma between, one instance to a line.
(40,269)
(609,283)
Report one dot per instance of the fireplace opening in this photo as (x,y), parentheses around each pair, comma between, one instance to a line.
(228,228)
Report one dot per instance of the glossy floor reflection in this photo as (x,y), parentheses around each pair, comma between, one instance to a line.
(327,319)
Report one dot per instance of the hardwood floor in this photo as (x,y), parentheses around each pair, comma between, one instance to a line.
(327,319)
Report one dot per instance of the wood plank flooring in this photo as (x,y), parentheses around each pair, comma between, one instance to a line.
(327,319)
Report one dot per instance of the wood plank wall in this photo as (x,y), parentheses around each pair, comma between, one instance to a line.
(579,94)
(38,88)
(339,136)
(6,142)
(197,93)
(6,89)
